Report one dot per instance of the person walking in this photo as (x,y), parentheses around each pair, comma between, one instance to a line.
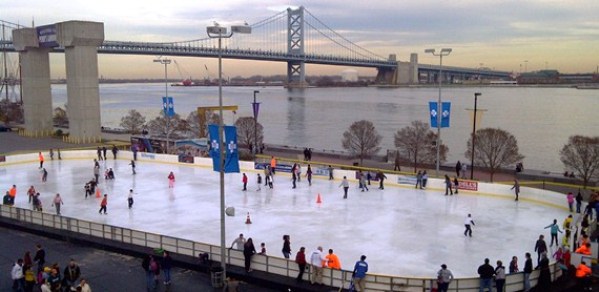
(345,185)
(444,278)
(41,159)
(554,230)
(359,274)
(286,246)
(499,276)
(516,188)
(570,198)
(248,251)
(300,260)
(468,223)
(309,175)
(540,247)
(167,265)
(56,202)
(486,272)
(171,180)
(578,201)
(527,271)
(381,177)
(448,188)
(104,204)
(149,265)
(244,180)
(130,198)
(317,261)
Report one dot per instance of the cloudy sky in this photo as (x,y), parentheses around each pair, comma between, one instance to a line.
(511,35)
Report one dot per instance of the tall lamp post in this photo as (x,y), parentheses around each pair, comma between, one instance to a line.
(166,62)
(255,108)
(443,52)
(476,95)
(219,32)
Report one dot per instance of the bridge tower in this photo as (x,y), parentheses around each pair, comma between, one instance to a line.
(296,68)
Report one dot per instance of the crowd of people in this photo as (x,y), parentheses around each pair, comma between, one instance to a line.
(32,274)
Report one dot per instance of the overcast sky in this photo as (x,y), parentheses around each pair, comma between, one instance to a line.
(511,35)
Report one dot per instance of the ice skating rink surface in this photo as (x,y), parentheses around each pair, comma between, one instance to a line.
(401,230)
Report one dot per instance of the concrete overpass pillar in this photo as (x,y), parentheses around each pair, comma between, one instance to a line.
(35,82)
(81,40)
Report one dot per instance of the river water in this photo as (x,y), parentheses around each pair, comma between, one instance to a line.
(540,118)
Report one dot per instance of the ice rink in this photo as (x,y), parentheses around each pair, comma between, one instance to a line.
(402,231)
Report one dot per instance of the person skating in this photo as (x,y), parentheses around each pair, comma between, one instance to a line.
(381,177)
(554,230)
(99,152)
(345,185)
(41,159)
(418,180)
(456,184)
(114,151)
(44,175)
(516,188)
(132,163)
(104,152)
(424,180)
(363,181)
(259,182)
(300,260)
(468,223)
(13,194)
(359,274)
(273,165)
(30,193)
(309,175)
(570,198)
(130,199)
(104,204)
(448,188)
(244,180)
(51,152)
(171,180)
(57,202)
(458,168)
(293,176)
(330,172)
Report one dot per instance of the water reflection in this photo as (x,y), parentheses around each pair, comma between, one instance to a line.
(296,116)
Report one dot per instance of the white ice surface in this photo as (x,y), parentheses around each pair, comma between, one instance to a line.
(402,231)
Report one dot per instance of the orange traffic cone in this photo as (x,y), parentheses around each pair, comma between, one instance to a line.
(98,193)
(248,220)
(318,200)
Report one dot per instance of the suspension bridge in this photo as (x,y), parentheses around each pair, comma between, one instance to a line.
(297,37)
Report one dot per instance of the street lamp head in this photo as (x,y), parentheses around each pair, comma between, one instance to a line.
(430,51)
(446,51)
(216,30)
(256,91)
(476,94)
(246,29)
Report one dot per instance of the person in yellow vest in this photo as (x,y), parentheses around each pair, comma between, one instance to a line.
(333,261)
(568,222)
(583,277)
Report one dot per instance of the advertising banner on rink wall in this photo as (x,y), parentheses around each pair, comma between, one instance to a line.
(468,185)
(406,180)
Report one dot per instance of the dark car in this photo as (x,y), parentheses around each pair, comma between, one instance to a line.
(4,128)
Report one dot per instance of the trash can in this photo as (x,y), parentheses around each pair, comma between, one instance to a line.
(216,277)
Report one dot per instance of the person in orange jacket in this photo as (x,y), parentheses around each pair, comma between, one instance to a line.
(273,164)
(583,277)
(333,261)
(103,204)
(41,158)
(584,249)
(13,194)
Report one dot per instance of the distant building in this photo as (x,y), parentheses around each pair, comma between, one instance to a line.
(539,77)
(349,75)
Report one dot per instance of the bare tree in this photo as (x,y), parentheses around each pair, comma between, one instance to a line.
(416,143)
(133,122)
(494,149)
(60,117)
(245,132)
(161,126)
(193,120)
(361,139)
(582,155)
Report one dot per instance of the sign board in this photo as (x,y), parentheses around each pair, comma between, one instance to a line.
(46,36)
(468,185)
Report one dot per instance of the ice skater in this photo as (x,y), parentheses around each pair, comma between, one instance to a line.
(381,177)
(554,230)
(44,175)
(363,182)
(51,152)
(56,202)
(130,198)
(456,184)
(132,166)
(345,185)
(418,180)
(41,159)
(298,170)
(424,180)
(266,175)
(309,175)
(516,188)
(244,180)
(448,188)
(171,180)
(99,152)
(114,151)
(331,173)
(468,223)
(259,182)
(293,176)
(104,204)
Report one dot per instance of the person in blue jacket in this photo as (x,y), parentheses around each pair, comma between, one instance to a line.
(359,274)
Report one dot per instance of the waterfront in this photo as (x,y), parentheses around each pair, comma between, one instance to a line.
(541,119)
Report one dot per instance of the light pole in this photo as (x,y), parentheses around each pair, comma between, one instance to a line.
(219,32)
(166,62)
(443,52)
(476,95)
(255,108)
(525,66)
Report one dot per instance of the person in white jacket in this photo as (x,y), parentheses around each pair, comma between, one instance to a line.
(17,276)
(316,260)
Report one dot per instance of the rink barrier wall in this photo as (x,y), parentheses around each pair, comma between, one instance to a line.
(270,264)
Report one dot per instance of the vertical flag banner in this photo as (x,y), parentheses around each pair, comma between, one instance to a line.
(256,107)
(232,156)
(445,113)
(433,113)
(168,106)
(214,147)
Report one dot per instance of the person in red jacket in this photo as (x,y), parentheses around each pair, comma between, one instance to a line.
(171,180)
(300,259)
(104,204)
(583,277)
(244,180)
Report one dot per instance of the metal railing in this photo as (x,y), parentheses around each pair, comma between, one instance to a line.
(269,264)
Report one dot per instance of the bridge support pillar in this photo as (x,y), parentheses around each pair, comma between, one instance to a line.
(296,69)
(35,82)
(80,40)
